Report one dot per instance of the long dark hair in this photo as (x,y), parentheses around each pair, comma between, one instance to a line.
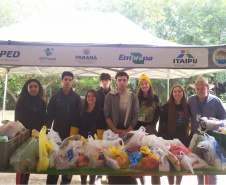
(25,96)
(86,105)
(150,97)
(172,113)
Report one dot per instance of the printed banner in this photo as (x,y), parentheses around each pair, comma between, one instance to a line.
(118,57)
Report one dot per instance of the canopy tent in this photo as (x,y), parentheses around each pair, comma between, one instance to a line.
(91,43)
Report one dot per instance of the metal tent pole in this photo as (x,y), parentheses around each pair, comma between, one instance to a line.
(167,88)
(4,99)
(168,70)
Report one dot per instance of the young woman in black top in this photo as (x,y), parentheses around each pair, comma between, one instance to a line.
(174,120)
(91,121)
(31,107)
(31,110)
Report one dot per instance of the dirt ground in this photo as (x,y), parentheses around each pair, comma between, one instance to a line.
(10,178)
(39,179)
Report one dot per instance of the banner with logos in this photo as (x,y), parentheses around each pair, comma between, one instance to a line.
(113,56)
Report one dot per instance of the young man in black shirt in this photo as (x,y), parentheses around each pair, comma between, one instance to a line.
(63,111)
(105,81)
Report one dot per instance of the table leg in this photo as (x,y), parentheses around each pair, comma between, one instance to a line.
(206,180)
(18,178)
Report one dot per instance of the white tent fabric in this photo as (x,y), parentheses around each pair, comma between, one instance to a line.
(91,43)
(82,27)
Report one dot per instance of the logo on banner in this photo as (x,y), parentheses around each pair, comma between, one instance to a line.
(86,58)
(219,57)
(185,59)
(86,51)
(9,55)
(49,51)
(48,58)
(136,58)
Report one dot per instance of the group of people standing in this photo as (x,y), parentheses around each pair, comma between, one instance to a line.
(118,109)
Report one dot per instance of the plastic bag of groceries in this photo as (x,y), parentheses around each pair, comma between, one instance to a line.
(55,139)
(177,149)
(25,158)
(44,147)
(68,154)
(94,151)
(154,141)
(192,161)
(108,143)
(208,149)
(135,142)
(12,129)
(193,147)
(206,124)
(186,162)
(174,161)
(134,157)
(110,161)
(220,157)
(175,141)
(164,165)
(149,161)
(120,156)
(197,162)
(82,161)
(109,135)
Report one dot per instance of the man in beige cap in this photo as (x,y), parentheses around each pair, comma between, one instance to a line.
(203,104)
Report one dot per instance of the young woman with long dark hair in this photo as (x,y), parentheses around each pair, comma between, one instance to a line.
(175,120)
(31,110)
(91,121)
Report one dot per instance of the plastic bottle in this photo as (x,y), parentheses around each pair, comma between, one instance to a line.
(3,138)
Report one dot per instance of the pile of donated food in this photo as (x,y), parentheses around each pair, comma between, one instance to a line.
(139,151)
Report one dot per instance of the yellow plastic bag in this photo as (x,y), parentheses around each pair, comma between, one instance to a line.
(34,133)
(148,162)
(120,156)
(44,146)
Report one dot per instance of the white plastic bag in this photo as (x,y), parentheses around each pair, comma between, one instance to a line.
(197,162)
(206,124)
(108,143)
(11,129)
(208,149)
(149,140)
(55,139)
(94,151)
(110,161)
(135,142)
(109,135)
(186,162)
(68,154)
(175,142)
(163,160)
(164,165)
